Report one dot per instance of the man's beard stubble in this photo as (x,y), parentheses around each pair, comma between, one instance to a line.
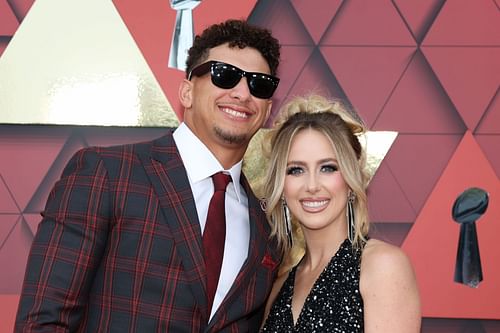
(229,137)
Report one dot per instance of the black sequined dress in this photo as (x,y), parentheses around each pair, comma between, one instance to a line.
(334,303)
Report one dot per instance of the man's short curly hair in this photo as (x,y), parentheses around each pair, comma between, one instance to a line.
(237,33)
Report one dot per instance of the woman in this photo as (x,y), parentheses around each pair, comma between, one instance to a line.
(334,277)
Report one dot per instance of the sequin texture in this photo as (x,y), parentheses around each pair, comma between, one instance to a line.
(334,303)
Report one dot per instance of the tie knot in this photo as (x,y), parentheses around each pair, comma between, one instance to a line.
(220,181)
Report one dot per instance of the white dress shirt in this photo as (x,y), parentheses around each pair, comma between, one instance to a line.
(200,165)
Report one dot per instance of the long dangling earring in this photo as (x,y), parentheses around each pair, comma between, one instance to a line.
(351,230)
(288,221)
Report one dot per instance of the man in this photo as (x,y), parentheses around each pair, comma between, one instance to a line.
(121,247)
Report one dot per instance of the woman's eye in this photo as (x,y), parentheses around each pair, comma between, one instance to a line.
(294,170)
(329,168)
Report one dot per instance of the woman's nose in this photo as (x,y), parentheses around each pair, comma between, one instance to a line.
(312,183)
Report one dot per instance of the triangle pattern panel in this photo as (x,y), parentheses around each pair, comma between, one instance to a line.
(387,201)
(39,195)
(284,22)
(393,233)
(7,203)
(441,296)
(8,21)
(32,221)
(84,137)
(490,123)
(417,162)
(375,22)
(419,15)
(293,64)
(8,310)
(30,157)
(17,246)
(316,15)
(101,136)
(470,76)
(419,104)
(209,12)
(479,24)
(368,75)
(20,7)
(7,224)
(3,44)
(317,78)
(490,145)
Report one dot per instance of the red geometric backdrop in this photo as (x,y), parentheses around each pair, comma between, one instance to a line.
(428,69)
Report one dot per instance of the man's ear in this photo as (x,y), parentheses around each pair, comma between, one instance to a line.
(186,93)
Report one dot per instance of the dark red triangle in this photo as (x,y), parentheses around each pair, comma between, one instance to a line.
(8,21)
(470,76)
(419,104)
(419,15)
(374,23)
(465,23)
(316,15)
(368,75)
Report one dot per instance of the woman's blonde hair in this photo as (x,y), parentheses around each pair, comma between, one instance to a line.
(343,129)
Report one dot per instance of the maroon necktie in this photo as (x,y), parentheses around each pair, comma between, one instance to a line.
(214,234)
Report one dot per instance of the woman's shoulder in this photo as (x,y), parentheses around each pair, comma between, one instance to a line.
(381,259)
(380,251)
(389,289)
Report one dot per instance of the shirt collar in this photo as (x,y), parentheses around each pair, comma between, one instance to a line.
(199,161)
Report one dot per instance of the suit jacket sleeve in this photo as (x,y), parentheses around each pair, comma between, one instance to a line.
(67,248)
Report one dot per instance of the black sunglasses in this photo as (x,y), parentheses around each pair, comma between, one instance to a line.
(227,76)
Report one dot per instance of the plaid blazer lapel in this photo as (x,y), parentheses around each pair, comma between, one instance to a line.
(262,261)
(168,176)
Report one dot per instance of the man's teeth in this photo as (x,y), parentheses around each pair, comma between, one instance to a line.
(235,113)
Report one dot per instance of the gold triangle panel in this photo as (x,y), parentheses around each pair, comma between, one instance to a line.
(75,63)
